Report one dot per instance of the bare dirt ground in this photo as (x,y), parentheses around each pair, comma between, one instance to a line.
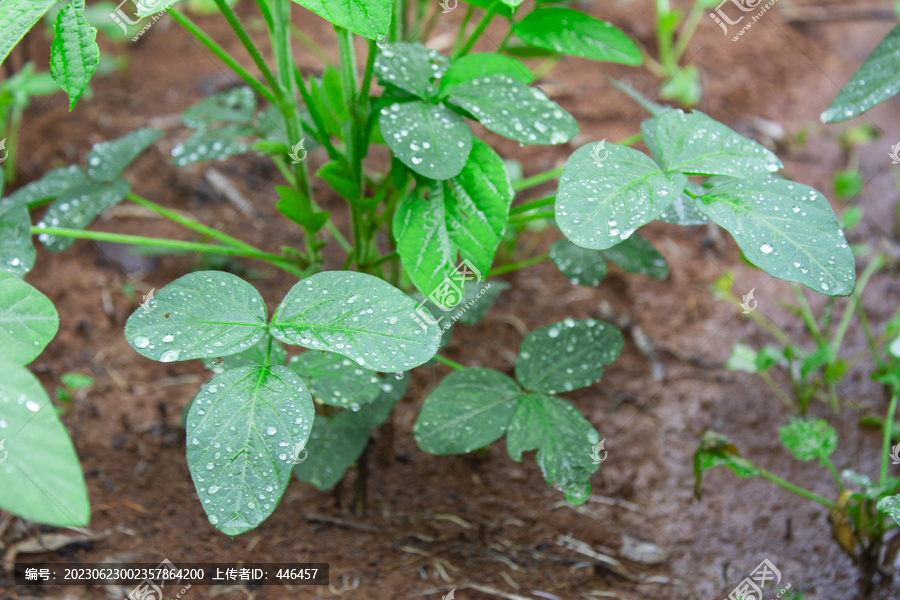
(505,526)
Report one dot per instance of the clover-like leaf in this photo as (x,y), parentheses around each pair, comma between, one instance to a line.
(785,228)
(42,479)
(76,208)
(74,54)
(242,430)
(107,160)
(875,82)
(514,110)
(368,18)
(637,255)
(575,33)
(469,409)
(336,380)
(358,316)
(430,139)
(28,321)
(567,355)
(808,438)
(582,266)
(696,144)
(563,439)
(411,67)
(201,315)
(599,203)
(17,252)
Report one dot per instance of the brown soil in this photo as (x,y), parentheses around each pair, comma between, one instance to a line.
(126,428)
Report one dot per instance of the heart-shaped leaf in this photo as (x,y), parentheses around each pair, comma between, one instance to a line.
(242,430)
(698,145)
(514,110)
(76,208)
(28,320)
(430,139)
(785,228)
(17,252)
(567,355)
(574,33)
(469,409)
(602,200)
(201,315)
(358,316)
(42,479)
(336,380)
(563,438)
(74,54)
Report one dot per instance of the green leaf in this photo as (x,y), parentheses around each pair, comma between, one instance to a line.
(684,86)
(336,442)
(582,266)
(637,255)
(411,67)
(28,321)
(74,54)
(423,241)
(502,9)
(17,253)
(891,506)
(476,301)
(368,18)
(430,139)
(255,355)
(574,33)
(107,160)
(468,410)
(77,207)
(567,355)
(563,439)
(237,105)
(875,82)
(698,145)
(338,175)
(296,206)
(241,431)
(514,110)
(716,450)
(49,186)
(335,380)
(76,381)
(816,359)
(392,389)
(16,19)
(472,66)
(684,210)
(787,229)
(358,316)
(201,315)
(328,100)
(743,358)
(601,201)
(216,143)
(42,479)
(146,8)
(808,438)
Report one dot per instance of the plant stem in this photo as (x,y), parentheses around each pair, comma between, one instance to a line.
(633,139)
(538,179)
(324,137)
(795,489)
(313,47)
(663,36)
(249,46)
(806,312)
(479,29)
(886,435)
(532,216)
(462,30)
(834,473)
(851,304)
(221,54)
(532,205)
(518,265)
(190,223)
(448,362)
(687,31)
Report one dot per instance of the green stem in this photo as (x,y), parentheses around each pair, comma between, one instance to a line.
(309,43)
(633,139)
(324,137)
(532,216)
(448,362)
(248,44)
(834,472)
(518,265)
(545,67)
(462,30)
(886,436)
(531,205)
(663,36)
(538,179)
(687,31)
(221,54)
(841,330)
(795,489)
(479,29)
(806,312)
